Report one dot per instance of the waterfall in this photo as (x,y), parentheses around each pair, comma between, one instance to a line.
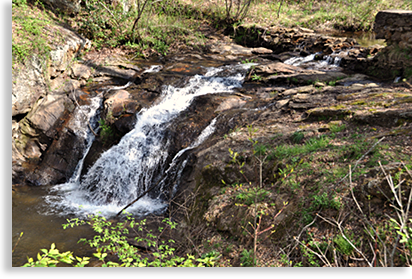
(140,158)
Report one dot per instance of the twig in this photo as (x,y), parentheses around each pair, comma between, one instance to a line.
(319,256)
(114,18)
(360,159)
(18,240)
(401,213)
(351,190)
(280,6)
(338,224)
(365,219)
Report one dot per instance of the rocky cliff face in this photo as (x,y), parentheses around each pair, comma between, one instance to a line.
(40,106)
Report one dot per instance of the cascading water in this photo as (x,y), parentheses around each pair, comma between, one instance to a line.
(329,62)
(139,160)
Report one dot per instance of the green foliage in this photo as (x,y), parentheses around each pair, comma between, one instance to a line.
(113,238)
(146,27)
(106,132)
(311,145)
(325,201)
(30,35)
(342,245)
(297,137)
(256,77)
(19,3)
(247,259)
(308,254)
(52,257)
(249,196)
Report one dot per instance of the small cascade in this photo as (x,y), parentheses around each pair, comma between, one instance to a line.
(298,61)
(141,158)
(328,63)
(85,114)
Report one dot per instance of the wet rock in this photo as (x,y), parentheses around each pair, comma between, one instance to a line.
(281,73)
(39,129)
(120,111)
(46,116)
(305,77)
(276,68)
(59,161)
(119,103)
(230,103)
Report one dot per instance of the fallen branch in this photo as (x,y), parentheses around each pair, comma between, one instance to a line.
(360,159)
(138,198)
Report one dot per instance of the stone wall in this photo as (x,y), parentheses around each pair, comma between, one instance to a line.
(395,26)
(395,60)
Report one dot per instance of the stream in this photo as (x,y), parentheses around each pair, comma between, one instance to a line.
(127,169)
(120,174)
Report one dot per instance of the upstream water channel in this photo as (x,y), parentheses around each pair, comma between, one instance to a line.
(128,168)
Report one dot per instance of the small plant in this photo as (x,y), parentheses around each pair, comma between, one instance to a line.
(247,259)
(251,195)
(106,132)
(247,61)
(52,257)
(256,77)
(297,137)
(342,245)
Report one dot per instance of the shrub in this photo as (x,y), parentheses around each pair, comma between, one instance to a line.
(114,238)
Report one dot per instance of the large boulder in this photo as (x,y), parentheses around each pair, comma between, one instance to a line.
(64,6)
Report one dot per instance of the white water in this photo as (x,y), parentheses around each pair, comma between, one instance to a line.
(81,116)
(297,61)
(329,62)
(132,166)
